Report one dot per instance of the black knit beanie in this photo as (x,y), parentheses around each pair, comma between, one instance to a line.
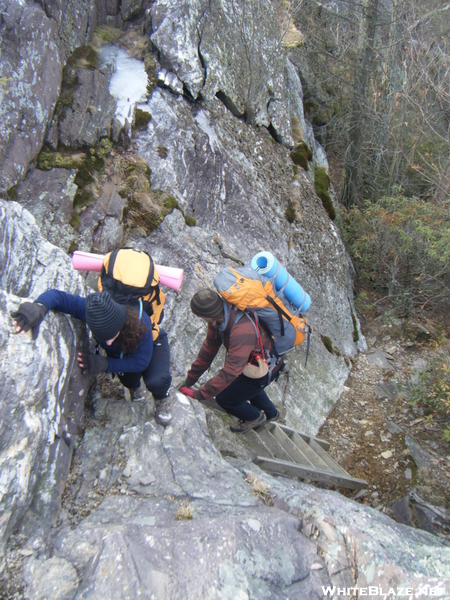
(104,316)
(206,303)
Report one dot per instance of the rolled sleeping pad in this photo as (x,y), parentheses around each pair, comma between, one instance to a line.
(86,261)
(266,264)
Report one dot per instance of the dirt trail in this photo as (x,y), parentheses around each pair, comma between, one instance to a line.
(369,427)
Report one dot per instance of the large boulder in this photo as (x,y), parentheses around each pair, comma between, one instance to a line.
(41,400)
(230,49)
(30,78)
(91,114)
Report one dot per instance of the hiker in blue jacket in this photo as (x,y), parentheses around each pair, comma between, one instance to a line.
(125,336)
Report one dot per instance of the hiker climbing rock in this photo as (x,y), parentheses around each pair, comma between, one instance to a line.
(241,395)
(124,334)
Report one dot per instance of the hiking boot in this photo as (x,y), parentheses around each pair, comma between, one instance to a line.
(244,426)
(163,413)
(276,417)
(138,394)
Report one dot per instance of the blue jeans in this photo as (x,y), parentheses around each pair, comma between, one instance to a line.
(156,376)
(245,398)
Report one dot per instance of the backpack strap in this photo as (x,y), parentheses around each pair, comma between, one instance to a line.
(281,313)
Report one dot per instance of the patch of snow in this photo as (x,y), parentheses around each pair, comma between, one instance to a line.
(128,84)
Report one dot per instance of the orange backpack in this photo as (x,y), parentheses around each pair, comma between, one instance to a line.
(130,276)
(251,292)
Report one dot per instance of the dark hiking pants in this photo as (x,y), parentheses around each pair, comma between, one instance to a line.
(245,398)
(156,376)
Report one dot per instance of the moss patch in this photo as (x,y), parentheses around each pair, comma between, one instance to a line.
(105,35)
(355,328)
(322,184)
(332,349)
(49,160)
(141,119)
(190,221)
(84,57)
(327,343)
(145,208)
(290,213)
(301,155)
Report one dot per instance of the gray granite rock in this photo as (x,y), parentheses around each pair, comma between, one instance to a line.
(199,531)
(75,21)
(421,457)
(49,195)
(381,359)
(236,182)
(229,49)
(91,114)
(41,400)
(30,78)
(130,8)
(387,389)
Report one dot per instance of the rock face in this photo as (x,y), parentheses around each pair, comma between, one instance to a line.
(237,183)
(158,513)
(41,399)
(75,20)
(30,77)
(229,49)
(91,114)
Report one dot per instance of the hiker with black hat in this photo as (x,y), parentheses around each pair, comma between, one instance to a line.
(237,393)
(125,336)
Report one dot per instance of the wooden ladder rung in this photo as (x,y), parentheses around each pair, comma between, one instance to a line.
(308,451)
(294,470)
(333,466)
(298,456)
(257,445)
(274,446)
(288,430)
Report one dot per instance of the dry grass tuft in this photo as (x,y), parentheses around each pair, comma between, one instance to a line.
(260,489)
(184,512)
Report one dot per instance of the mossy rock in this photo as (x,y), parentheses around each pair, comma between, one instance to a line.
(10,193)
(190,221)
(141,119)
(84,57)
(322,184)
(301,155)
(328,343)
(106,35)
(50,160)
(355,328)
(151,68)
(290,213)
(145,211)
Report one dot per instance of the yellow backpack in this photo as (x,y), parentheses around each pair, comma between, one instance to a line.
(251,292)
(130,276)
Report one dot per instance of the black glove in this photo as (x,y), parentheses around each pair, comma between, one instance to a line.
(92,363)
(28,316)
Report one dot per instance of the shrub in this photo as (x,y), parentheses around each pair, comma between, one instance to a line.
(432,391)
(401,246)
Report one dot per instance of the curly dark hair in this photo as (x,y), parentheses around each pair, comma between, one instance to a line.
(132,332)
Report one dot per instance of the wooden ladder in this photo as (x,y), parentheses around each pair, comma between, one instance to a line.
(280,449)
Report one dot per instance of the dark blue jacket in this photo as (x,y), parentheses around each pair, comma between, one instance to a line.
(76,306)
